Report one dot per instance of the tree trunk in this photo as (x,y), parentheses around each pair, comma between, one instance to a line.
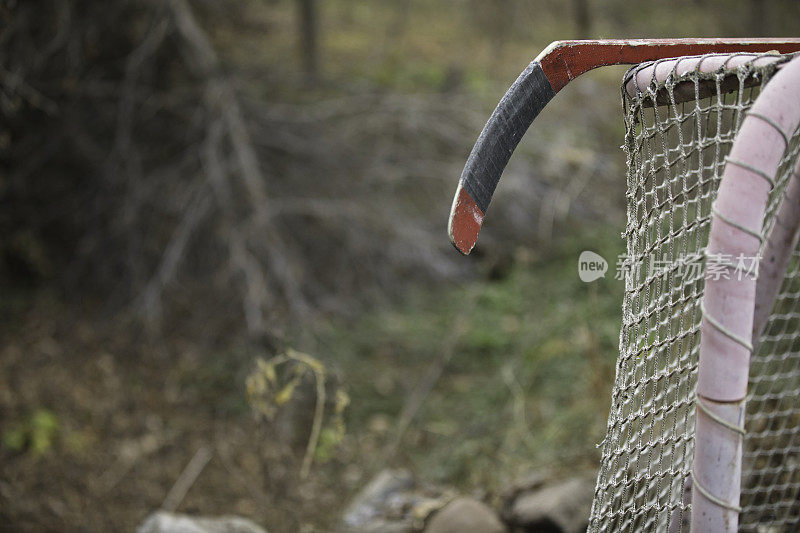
(758,18)
(583,21)
(308,33)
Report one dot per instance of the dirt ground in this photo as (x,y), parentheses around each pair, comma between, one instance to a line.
(98,425)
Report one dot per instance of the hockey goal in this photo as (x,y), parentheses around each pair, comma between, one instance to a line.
(705,418)
(704,426)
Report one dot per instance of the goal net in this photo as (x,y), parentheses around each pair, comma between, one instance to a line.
(682,117)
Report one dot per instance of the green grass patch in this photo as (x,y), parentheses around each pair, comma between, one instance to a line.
(528,365)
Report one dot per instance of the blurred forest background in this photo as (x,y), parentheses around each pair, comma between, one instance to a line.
(190,188)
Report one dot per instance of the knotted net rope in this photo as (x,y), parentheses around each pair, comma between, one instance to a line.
(681,118)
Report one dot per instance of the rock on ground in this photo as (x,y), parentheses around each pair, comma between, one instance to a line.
(465,515)
(164,522)
(561,507)
(370,507)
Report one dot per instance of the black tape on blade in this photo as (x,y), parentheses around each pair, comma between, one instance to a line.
(510,120)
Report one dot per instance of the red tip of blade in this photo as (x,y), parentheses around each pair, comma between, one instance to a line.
(465,222)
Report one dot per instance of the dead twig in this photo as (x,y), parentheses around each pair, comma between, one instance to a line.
(187,478)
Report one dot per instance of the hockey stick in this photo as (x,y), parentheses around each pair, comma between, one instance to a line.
(551,71)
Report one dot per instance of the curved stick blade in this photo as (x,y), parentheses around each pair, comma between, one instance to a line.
(510,120)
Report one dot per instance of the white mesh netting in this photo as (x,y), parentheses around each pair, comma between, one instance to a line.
(680,125)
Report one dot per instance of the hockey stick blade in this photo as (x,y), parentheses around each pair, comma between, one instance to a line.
(551,71)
